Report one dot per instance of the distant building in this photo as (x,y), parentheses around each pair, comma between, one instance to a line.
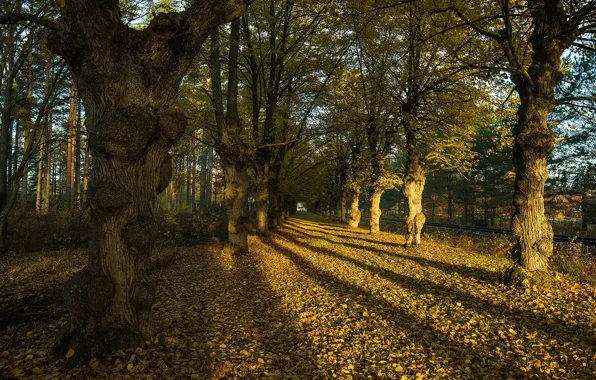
(301,207)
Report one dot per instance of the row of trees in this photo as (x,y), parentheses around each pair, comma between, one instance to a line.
(299,99)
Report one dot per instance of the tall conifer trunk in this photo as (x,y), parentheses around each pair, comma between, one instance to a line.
(71,140)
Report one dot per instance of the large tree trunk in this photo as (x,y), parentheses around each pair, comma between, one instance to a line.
(343,212)
(354,221)
(534,140)
(534,143)
(375,209)
(236,194)
(128,81)
(233,157)
(274,209)
(413,188)
(205,185)
(262,199)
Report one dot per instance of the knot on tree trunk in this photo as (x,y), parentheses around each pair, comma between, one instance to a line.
(87,296)
(144,295)
(140,234)
(109,197)
(165,174)
(123,133)
(539,142)
(172,123)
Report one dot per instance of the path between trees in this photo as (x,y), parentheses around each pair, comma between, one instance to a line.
(316,300)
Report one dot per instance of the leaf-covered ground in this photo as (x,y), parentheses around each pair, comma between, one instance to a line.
(315,300)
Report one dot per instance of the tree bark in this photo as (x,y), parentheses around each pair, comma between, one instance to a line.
(375,209)
(533,137)
(128,80)
(233,156)
(39,182)
(262,199)
(534,143)
(46,192)
(355,214)
(412,189)
(343,212)
(71,139)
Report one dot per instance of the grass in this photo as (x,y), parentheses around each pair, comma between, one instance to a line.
(315,300)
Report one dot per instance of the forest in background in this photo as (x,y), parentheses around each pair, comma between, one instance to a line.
(41,104)
(131,125)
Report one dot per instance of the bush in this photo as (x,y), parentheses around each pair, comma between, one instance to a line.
(575,260)
(68,229)
(59,229)
(184,228)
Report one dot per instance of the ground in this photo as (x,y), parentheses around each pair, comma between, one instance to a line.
(315,300)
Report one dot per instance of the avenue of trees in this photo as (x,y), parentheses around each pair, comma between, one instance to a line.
(123,108)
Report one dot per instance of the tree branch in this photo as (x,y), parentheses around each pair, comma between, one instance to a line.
(14,18)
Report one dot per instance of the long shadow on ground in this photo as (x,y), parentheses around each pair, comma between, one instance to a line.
(344,233)
(479,274)
(401,320)
(572,332)
(261,307)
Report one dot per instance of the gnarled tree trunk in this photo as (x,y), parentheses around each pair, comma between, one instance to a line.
(354,220)
(128,80)
(413,188)
(274,202)
(343,212)
(236,195)
(534,143)
(262,199)
(232,150)
(375,209)
(534,140)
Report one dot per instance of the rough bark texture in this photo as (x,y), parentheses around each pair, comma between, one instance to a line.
(375,209)
(236,194)
(71,140)
(262,200)
(231,150)
(46,192)
(413,187)
(354,220)
(128,80)
(412,190)
(376,191)
(534,139)
(343,212)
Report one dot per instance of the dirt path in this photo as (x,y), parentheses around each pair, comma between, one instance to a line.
(315,300)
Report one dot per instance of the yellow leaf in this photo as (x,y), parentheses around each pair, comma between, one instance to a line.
(16,372)
(69,353)
(261,361)
(37,371)
(130,366)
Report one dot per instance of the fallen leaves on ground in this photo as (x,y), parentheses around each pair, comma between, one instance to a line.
(316,300)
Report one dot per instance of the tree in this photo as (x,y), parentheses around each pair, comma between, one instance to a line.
(128,81)
(532,37)
(233,151)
